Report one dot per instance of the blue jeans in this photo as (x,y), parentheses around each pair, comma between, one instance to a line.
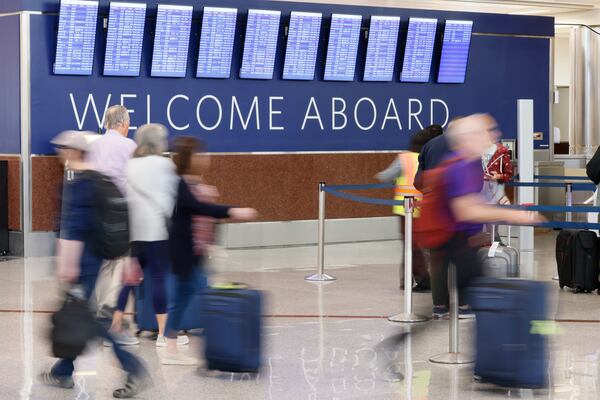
(183,290)
(90,265)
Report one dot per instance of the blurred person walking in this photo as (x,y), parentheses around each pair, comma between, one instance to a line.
(453,209)
(78,257)
(185,260)
(151,188)
(109,155)
(402,172)
(498,170)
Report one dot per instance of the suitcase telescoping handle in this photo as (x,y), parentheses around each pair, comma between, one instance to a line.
(494,234)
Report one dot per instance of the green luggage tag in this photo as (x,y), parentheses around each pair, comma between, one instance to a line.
(229,286)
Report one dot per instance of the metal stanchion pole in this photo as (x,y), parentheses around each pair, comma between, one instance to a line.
(408,315)
(568,203)
(321,276)
(569,200)
(454,356)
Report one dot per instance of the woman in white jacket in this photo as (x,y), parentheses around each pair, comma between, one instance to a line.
(151,188)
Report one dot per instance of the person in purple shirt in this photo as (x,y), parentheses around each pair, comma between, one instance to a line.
(468,139)
(109,155)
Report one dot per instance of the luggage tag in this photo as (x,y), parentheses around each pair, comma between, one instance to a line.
(493,248)
(229,286)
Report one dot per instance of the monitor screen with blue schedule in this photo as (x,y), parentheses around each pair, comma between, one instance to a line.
(124,39)
(76,37)
(419,50)
(260,45)
(302,46)
(455,51)
(381,49)
(342,48)
(216,42)
(171,41)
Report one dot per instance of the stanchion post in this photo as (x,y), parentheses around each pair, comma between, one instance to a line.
(454,356)
(569,200)
(321,276)
(408,315)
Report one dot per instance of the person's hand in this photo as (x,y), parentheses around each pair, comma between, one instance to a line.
(495,176)
(243,214)
(211,192)
(528,218)
(132,273)
(67,272)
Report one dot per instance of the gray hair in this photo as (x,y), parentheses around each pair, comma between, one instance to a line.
(115,117)
(151,140)
(465,125)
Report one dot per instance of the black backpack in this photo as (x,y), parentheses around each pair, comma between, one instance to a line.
(593,167)
(73,326)
(110,236)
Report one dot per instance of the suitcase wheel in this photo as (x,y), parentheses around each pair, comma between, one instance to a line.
(561,286)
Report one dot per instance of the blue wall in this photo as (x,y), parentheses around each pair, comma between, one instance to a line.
(501,70)
(10,99)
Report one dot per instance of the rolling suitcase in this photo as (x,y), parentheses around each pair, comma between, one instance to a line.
(511,349)
(232,329)
(145,317)
(577,256)
(500,261)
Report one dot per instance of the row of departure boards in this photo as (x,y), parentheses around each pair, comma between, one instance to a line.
(77,34)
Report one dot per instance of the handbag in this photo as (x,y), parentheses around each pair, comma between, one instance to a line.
(73,325)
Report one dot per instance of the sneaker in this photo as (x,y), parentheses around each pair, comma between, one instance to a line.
(440,312)
(466,313)
(182,340)
(123,338)
(178,359)
(134,386)
(48,378)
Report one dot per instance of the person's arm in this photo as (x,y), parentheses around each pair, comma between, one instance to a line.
(471,209)
(392,172)
(187,200)
(507,168)
(68,256)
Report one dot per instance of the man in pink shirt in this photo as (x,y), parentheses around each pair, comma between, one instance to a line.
(109,155)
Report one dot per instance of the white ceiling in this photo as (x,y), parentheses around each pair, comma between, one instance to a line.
(557,8)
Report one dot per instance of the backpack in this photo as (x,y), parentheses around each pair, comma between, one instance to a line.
(110,236)
(592,168)
(435,225)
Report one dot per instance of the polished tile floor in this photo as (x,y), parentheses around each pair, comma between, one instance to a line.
(320,339)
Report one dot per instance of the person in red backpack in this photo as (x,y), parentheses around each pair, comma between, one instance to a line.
(461,206)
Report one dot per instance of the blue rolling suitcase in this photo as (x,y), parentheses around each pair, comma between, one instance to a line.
(145,317)
(232,329)
(511,351)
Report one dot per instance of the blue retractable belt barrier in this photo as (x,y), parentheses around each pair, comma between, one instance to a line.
(576,187)
(558,177)
(361,187)
(574,209)
(363,199)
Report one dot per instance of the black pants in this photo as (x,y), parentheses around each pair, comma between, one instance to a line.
(468,267)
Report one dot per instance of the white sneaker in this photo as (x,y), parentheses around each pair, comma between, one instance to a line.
(182,340)
(124,339)
(178,359)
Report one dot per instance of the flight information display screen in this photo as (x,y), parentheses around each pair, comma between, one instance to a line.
(171,41)
(419,50)
(342,48)
(455,51)
(302,46)
(76,37)
(381,48)
(260,46)
(216,42)
(124,40)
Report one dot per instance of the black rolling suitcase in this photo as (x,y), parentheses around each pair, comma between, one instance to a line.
(577,256)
